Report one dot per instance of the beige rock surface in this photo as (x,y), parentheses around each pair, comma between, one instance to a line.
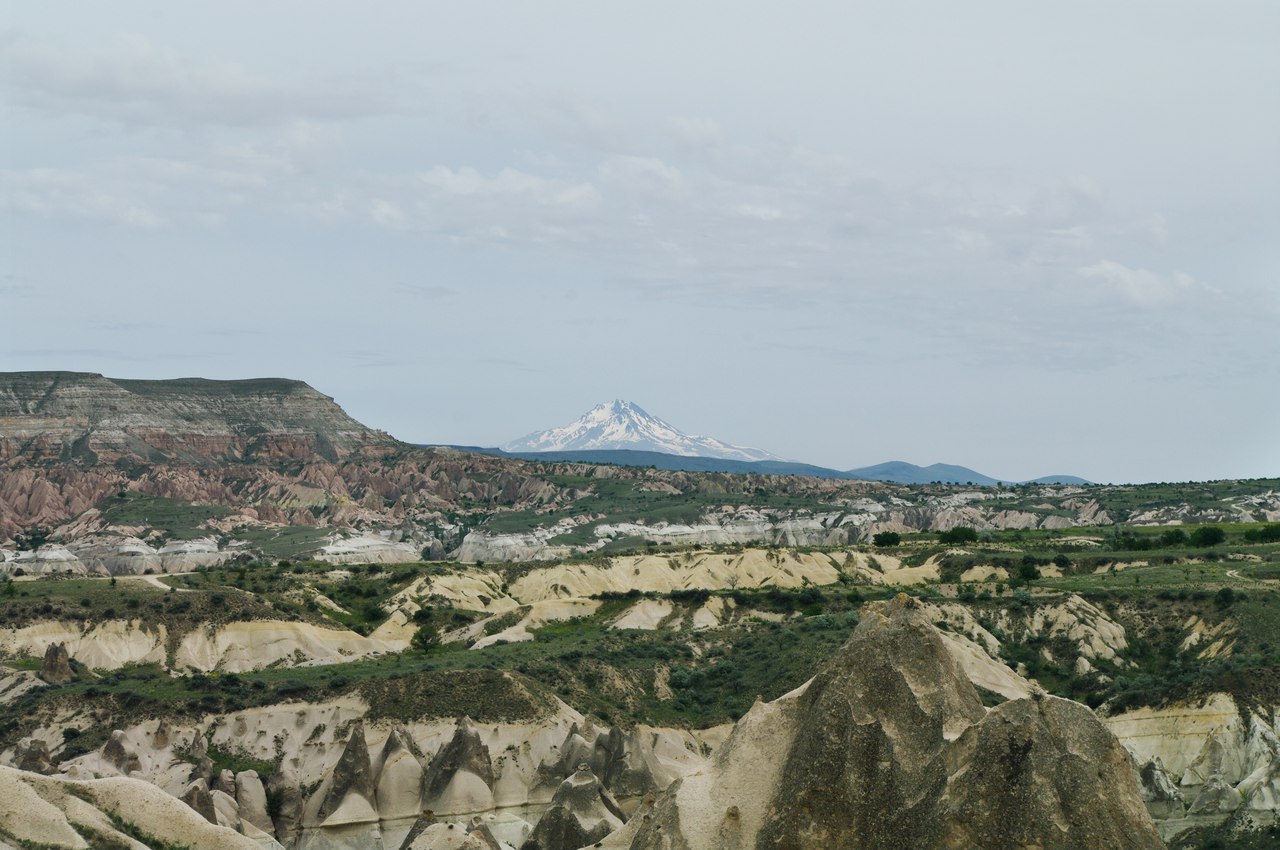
(254,644)
(888,746)
(66,814)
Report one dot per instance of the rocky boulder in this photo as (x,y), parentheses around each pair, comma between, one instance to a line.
(399,786)
(118,753)
(582,812)
(33,754)
(56,667)
(350,796)
(460,777)
(251,798)
(1159,792)
(1043,772)
(451,836)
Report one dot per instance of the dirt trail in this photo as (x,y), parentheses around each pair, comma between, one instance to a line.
(155,581)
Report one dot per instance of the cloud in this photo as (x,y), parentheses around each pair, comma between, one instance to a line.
(696,132)
(759,212)
(132,81)
(1143,286)
(58,193)
(640,174)
(467,182)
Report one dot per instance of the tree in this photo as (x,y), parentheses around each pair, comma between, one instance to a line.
(1265,534)
(1028,571)
(1174,537)
(887,538)
(425,638)
(959,534)
(1208,535)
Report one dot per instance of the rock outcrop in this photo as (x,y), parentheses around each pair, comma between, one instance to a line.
(460,777)
(56,666)
(1159,792)
(33,754)
(452,836)
(40,811)
(890,747)
(90,418)
(582,812)
(1203,761)
(351,789)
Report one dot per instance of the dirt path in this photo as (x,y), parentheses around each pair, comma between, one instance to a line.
(155,581)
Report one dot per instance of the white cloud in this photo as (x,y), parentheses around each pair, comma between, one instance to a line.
(759,212)
(387,214)
(697,132)
(467,182)
(57,193)
(1143,286)
(133,81)
(640,174)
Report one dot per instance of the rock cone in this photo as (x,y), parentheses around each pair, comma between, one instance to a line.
(889,748)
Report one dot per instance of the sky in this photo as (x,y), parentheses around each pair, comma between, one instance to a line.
(1027,238)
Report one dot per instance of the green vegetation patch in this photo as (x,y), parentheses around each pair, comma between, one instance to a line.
(487,696)
(175,518)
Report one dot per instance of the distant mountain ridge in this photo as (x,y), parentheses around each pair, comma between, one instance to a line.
(624,425)
(896,472)
(621,432)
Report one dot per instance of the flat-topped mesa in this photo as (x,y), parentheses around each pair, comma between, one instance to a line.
(889,747)
(87,418)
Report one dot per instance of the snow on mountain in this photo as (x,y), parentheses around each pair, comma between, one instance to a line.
(622,425)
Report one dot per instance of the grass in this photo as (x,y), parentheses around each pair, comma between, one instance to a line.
(176,519)
(598,669)
(623,499)
(236,762)
(623,676)
(287,542)
(1210,575)
(90,600)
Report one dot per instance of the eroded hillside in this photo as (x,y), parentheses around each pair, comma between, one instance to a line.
(323,695)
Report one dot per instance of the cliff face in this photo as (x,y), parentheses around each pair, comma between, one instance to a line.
(88,418)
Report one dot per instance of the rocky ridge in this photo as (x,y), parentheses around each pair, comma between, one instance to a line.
(890,747)
(889,740)
(88,417)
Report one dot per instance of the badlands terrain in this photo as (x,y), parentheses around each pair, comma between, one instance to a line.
(231,616)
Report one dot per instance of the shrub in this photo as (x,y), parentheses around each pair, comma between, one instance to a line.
(425,638)
(959,534)
(1267,534)
(887,538)
(1208,535)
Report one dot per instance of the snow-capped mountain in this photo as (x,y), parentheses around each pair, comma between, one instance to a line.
(622,425)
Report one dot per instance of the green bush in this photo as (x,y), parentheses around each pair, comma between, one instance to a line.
(1267,534)
(887,538)
(425,638)
(1208,535)
(959,534)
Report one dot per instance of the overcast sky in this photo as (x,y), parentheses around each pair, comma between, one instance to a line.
(1029,238)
